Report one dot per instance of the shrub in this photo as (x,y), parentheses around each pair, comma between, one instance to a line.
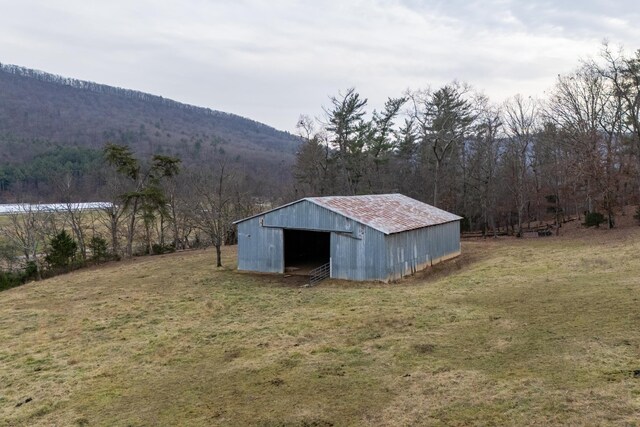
(31,270)
(62,251)
(593,219)
(159,249)
(9,279)
(99,249)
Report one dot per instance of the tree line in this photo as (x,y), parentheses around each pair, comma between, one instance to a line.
(151,206)
(106,89)
(577,152)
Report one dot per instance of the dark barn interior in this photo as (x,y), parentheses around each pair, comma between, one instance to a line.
(305,250)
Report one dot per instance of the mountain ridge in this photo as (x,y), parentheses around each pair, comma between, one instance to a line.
(44,76)
(40,111)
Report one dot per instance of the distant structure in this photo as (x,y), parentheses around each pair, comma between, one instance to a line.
(52,207)
(377,237)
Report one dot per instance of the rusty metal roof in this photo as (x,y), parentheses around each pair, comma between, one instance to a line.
(387,213)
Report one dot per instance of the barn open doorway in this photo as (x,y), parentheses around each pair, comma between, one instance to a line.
(305,250)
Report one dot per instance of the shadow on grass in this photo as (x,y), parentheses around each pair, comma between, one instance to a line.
(468,257)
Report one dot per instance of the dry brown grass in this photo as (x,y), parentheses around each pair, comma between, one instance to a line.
(536,332)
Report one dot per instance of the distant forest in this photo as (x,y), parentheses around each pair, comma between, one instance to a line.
(576,152)
(52,125)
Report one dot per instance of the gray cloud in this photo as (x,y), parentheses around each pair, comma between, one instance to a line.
(272,61)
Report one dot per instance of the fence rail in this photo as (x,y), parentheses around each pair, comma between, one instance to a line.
(319,274)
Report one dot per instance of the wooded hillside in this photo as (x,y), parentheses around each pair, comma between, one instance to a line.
(48,117)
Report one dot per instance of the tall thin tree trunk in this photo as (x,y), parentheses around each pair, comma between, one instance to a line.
(131,231)
(113,219)
(436,179)
(174,226)
(218,254)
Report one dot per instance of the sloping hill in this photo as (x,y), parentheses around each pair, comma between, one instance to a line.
(515,332)
(40,110)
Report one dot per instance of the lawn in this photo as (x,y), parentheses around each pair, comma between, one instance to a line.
(531,331)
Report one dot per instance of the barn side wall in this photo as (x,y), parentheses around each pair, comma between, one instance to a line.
(260,248)
(414,250)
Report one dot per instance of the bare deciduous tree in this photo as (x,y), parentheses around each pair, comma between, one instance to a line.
(520,117)
(212,209)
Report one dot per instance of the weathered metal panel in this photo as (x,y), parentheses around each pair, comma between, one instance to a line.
(358,259)
(414,250)
(308,216)
(260,248)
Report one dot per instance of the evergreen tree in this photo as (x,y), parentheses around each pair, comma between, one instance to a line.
(62,251)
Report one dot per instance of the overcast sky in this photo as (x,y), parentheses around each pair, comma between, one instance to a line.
(273,60)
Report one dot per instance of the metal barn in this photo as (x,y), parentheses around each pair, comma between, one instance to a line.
(376,237)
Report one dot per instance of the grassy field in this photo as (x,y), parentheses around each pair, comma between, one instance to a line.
(514,332)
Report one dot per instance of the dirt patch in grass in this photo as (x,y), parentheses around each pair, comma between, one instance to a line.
(424,348)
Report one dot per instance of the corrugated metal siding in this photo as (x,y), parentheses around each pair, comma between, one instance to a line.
(308,216)
(260,239)
(260,248)
(358,259)
(413,250)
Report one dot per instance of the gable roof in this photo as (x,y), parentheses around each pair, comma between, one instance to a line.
(387,213)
